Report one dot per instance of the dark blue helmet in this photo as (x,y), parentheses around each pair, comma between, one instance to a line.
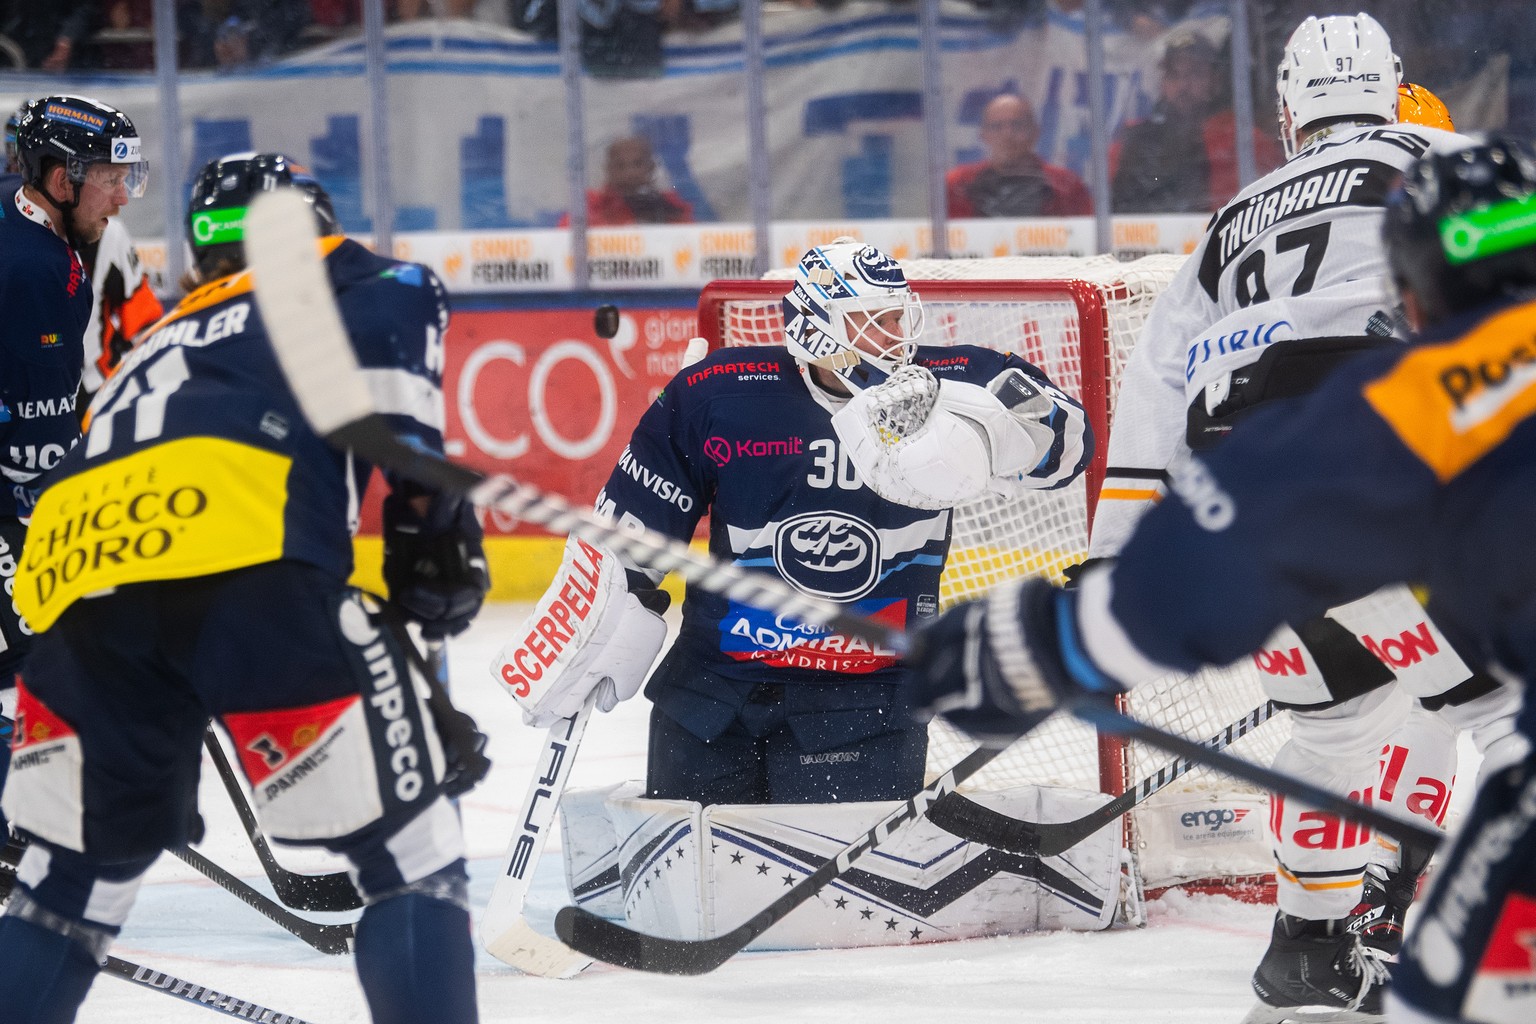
(1460,230)
(225,188)
(78,132)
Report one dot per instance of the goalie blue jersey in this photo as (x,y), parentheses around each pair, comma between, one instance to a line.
(739,436)
(196,458)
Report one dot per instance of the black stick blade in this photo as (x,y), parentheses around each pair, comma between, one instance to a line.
(612,943)
(969,820)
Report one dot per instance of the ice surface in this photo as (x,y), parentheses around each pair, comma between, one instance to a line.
(1189,966)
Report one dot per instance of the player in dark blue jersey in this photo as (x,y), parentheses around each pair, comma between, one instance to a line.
(1411,466)
(80,163)
(189,559)
(833,462)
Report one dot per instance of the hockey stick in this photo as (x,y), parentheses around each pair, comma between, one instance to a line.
(504,930)
(212,999)
(613,943)
(159,981)
(967,819)
(299,310)
(335,939)
(330,892)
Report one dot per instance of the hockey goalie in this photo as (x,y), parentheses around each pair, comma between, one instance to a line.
(835,462)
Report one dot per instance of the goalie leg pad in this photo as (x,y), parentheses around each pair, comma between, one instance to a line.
(660,845)
(591,847)
(929,885)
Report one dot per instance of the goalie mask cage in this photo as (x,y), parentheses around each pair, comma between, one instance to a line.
(1076,319)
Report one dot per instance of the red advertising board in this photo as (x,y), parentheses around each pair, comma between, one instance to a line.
(537,394)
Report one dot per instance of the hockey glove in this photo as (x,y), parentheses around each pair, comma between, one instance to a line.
(998,667)
(463,748)
(434,561)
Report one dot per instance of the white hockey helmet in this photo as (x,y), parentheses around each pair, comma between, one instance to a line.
(1336,68)
(840,289)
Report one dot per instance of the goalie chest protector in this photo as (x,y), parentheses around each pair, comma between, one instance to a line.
(739,435)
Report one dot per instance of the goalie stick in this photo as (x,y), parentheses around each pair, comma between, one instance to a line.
(294,295)
(330,892)
(960,816)
(504,930)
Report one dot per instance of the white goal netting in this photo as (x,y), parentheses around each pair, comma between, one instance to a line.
(1077,319)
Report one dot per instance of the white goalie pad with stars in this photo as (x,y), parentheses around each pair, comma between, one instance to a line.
(686,871)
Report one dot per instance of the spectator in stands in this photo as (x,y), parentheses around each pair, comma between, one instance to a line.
(408,10)
(50,32)
(1183,159)
(629,194)
(1013,181)
(233,33)
(125,41)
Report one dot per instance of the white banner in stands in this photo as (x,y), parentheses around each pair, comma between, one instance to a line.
(692,255)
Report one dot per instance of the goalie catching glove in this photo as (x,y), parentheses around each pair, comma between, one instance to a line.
(597,628)
(933,444)
(998,667)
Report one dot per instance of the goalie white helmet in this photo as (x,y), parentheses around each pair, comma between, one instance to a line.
(850,303)
(1336,69)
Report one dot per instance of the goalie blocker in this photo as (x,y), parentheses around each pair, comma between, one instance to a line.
(591,631)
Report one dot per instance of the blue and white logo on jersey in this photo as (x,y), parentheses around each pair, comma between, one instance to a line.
(828,554)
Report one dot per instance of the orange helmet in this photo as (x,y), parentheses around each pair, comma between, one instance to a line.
(1417,105)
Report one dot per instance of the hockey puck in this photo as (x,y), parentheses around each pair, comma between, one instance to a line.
(605,320)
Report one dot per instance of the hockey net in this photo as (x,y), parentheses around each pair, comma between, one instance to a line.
(1077,319)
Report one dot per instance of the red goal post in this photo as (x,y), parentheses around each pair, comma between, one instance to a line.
(1077,319)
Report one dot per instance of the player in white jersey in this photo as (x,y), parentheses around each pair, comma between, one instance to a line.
(1289,281)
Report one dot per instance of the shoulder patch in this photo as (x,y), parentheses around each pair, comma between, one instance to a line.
(405,273)
(1452,403)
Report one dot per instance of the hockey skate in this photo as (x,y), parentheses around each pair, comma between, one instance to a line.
(1317,972)
(1384,903)
(1378,919)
